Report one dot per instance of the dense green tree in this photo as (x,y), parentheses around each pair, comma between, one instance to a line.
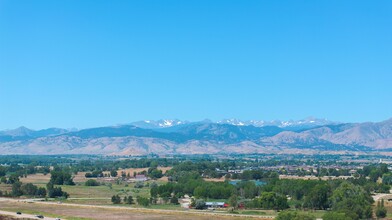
(375,174)
(269,200)
(16,189)
(387,178)
(41,192)
(174,200)
(29,189)
(200,204)
(233,201)
(113,173)
(155,173)
(3,171)
(116,199)
(60,177)
(349,198)
(3,179)
(54,192)
(142,201)
(13,179)
(248,189)
(130,200)
(384,168)
(317,198)
(91,182)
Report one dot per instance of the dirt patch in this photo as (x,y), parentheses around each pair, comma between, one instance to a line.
(164,179)
(38,178)
(5,217)
(138,170)
(80,177)
(214,179)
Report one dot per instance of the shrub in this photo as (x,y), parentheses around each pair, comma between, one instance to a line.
(200,204)
(143,201)
(139,185)
(116,199)
(91,182)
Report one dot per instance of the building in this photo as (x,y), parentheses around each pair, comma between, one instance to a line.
(141,177)
(216,205)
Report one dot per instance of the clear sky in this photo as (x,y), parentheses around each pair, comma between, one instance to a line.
(94,63)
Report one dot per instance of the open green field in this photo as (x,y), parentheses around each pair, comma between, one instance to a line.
(82,194)
(95,194)
(81,191)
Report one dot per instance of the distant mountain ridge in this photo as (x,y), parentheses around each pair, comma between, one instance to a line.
(166,123)
(25,133)
(183,137)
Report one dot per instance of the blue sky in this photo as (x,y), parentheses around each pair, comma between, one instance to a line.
(95,63)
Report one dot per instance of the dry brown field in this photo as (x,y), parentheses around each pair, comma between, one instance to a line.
(38,178)
(215,179)
(106,213)
(80,177)
(137,170)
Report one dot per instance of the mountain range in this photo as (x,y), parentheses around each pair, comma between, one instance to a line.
(166,137)
(305,123)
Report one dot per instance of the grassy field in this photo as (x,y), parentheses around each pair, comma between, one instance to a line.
(257,212)
(103,192)
(315,213)
(95,195)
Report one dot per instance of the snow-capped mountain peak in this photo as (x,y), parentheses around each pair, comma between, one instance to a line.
(305,123)
(283,124)
(232,122)
(155,124)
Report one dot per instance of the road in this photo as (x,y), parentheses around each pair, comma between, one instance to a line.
(13,214)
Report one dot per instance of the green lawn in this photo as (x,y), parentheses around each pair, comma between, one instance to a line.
(315,213)
(254,212)
(166,207)
(103,193)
